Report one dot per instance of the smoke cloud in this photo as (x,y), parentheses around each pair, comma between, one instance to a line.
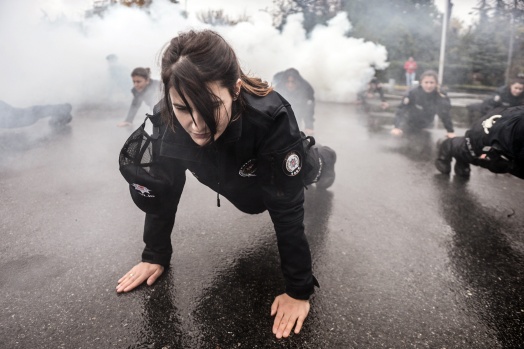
(53,53)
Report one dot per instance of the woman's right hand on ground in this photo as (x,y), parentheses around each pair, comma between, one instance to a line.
(396,132)
(138,274)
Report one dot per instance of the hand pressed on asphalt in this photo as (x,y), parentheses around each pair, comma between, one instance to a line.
(288,311)
(138,274)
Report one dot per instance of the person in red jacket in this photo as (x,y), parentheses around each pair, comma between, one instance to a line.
(410,66)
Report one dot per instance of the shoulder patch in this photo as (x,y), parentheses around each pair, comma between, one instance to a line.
(292,164)
(496,98)
(405,100)
(488,123)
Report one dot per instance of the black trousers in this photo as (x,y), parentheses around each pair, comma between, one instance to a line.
(462,149)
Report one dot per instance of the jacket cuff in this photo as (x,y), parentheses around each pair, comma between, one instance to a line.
(302,292)
(156,258)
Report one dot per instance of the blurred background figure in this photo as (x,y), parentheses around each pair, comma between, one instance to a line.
(374,87)
(300,94)
(418,108)
(119,76)
(511,95)
(11,117)
(145,90)
(410,66)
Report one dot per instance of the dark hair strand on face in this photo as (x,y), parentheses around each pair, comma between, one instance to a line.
(192,61)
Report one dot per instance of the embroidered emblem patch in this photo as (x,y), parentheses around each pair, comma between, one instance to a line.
(488,123)
(291,164)
(248,169)
(144,191)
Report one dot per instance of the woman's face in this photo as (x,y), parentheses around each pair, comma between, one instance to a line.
(198,129)
(429,84)
(291,83)
(140,83)
(516,89)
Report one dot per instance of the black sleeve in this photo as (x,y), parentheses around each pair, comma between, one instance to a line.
(135,105)
(492,102)
(444,112)
(158,226)
(402,110)
(309,118)
(283,192)
(380,91)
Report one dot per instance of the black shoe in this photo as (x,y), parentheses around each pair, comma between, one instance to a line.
(328,157)
(443,161)
(462,169)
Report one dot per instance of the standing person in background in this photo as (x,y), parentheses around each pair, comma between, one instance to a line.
(410,66)
(419,107)
(300,94)
(511,95)
(145,90)
(240,139)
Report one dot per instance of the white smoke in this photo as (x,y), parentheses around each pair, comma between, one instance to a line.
(54,54)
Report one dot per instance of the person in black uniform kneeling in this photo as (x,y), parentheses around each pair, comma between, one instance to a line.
(495,142)
(241,139)
(511,95)
(300,94)
(418,109)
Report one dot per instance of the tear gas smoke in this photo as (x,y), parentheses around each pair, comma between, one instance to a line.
(53,54)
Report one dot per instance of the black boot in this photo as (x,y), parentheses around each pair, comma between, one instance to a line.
(462,169)
(443,161)
(327,176)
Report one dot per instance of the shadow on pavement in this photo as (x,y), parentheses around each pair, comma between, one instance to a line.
(483,257)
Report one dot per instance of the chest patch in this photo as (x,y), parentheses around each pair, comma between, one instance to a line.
(248,169)
(292,164)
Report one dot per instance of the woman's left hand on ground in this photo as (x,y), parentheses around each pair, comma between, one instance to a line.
(288,311)
(141,272)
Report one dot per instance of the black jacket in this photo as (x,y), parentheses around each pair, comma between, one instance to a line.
(418,109)
(302,100)
(502,98)
(499,136)
(247,165)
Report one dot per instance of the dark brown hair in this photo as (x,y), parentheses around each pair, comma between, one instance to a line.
(194,59)
(142,72)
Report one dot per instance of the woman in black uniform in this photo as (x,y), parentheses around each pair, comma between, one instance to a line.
(417,110)
(145,90)
(239,138)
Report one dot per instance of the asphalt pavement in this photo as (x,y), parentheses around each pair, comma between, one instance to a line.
(406,257)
